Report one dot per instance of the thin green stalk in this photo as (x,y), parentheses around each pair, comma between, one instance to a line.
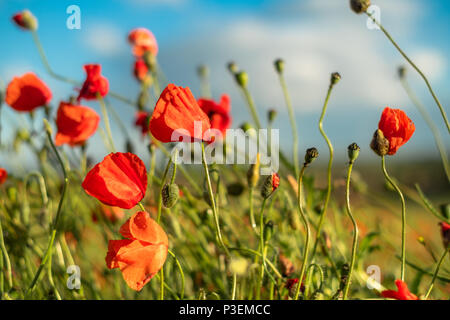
(54,228)
(106,121)
(330,163)
(5,253)
(252,107)
(307,228)
(436,271)
(252,213)
(293,124)
(181,273)
(355,230)
(163,179)
(434,130)
(403,255)
(233,290)
(311,267)
(262,248)
(444,115)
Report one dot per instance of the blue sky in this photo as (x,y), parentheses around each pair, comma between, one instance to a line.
(315,37)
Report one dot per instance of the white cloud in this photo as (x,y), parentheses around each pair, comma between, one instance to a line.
(431,62)
(105,39)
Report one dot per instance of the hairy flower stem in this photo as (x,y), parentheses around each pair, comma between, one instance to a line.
(106,121)
(54,228)
(436,271)
(355,230)
(330,163)
(434,130)
(307,228)
(262,248)
(403,255)
(293,124)
(444,115)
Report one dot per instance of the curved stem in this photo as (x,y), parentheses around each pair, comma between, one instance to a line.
(293,124)
(262,248)
(355,230)
(181,273)
(444,115)
(5,253)
(307,228)
(330,163)
(308,276)
(106,120)
(438,266)
(403,255)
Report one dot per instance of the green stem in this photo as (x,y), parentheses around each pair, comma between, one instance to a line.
(307,228)
(444,115)
(5,253)
(163,179)
(355,230)
(181,273)
(330,163)
(403,255)
(106,120)
(311,267)
(438,266)
(252,213)
(54,229)
(293,124)
(233,290)
(252,107)
(262,248)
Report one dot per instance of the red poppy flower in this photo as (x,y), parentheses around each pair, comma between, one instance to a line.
(397,128)
(402,292)
(140,69)
(142,254)
(75,124)
(142,120)
(94,83)
(25,20)
(275,181)
(27,93)
(143,40)
(445,233)
(178,111)
(112,214)
(3,176)
(218,113)
(120,180)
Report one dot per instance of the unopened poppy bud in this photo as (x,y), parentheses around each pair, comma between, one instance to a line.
(318,208)
(270,185)
(26,20)
(279,65)
(294,219)
(268,230)
(129,146)
(401,72)
(445,233)
(253,172)
(48,127)
(271,115)
(359,6)
(353,152)
(286,266)
(445,210)
(232,66)
(242,79)
(170,194)
(335,77)
(202,71)
(379,144)
(311,155)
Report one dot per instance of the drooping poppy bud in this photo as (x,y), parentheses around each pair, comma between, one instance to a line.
(279,65)
(311,155)
(397,128)
(140,70)
(353,152)
(143,41)
(218,113)
(26,20)
(445,233)
(120,180)
(170,194)
(402,292)
(94,84)
(270,185)
(26,93)
(379,144)
(177,111)
(359,6)
(75,124)
(142,254)
(3,175)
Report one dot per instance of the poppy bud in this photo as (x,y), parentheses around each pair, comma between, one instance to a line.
(294,219)
(359,6)
(202,71)
(421,240)
(335,77)
(401,72)
(253,173)
(379,144)
(170,194)
(242,79)
(270,185)
(246,126)
(232,66)
(129,146)
(311,155)
(286,266)
(445,233)
(3,175)
(445,210)
(279,65)
(271,115)
(353,152)
(268,230)
(26,20)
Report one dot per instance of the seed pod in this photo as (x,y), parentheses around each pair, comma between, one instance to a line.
(379,144)
(170,194)
(311,155)
(268,230)
(353,152)
(359,6)
(253,172)
(279,65)
(335,77)
(270,185)
(242,79)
